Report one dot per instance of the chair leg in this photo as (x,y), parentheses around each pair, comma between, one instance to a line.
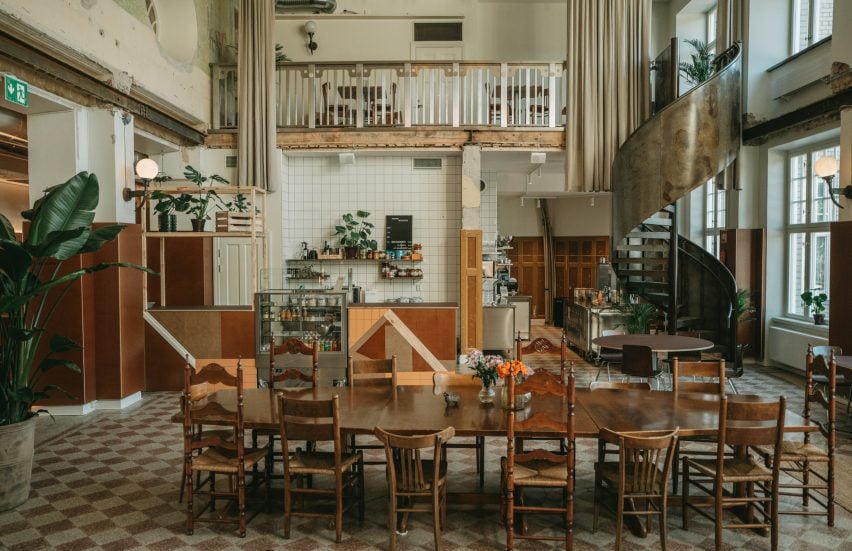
(480,450)
(597,506)
(806,477)
(720,511)
(288,505)
(619,519)
(436,517)
(684,497)
(676,467)
(241,501)
(182,483)
(773,531)
(361,490)
(189,512)
(664,518)
(392,520)
(338,509)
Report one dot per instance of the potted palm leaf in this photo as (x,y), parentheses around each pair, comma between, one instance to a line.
(32,285)
(700,67)
(202,202)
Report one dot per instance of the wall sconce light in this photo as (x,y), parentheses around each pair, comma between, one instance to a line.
(146,170)
(826,168)
(311,30)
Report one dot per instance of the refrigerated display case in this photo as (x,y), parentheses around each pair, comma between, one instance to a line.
(305,314)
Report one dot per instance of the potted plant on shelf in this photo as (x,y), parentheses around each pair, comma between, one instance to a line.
(816,303)
(166,207)
(203,201)
(355,234)
(238,217)
(32,285)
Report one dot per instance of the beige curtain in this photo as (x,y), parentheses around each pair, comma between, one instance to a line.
(256,162)
(608,85)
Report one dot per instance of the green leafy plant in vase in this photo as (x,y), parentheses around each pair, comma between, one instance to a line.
(32,285)
(355,233)
(816,303)
(167,206)
(204,200)
(637,317)
(700,68)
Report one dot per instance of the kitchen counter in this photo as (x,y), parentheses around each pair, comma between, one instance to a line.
(396,305)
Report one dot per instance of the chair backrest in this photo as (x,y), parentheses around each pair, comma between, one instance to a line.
(638,361)
(294,346)
(619,385)
(750,423)
(197,410)
(406,469)
(311,421)
(543,347)
(826,366)
(372,372)
(714,370)
(644,459)
(826,350)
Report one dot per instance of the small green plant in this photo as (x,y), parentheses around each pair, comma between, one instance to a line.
(356,231)
(744,308)
(816,302)
(637,317)
(203,201)
(239,204)
(170,204)
(701,67)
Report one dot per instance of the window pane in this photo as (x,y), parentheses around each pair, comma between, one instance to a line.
(711,244)
(796,273)
(823,11)
(709,206)
(802,25)
(721,208)
(823,209)
(798,189)
(820,260)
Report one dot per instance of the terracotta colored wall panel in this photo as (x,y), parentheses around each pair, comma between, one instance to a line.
(132,324)
(237,334)
(163,365)
(840,294)
(188,272)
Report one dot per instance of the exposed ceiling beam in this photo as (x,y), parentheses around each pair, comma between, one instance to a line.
(817,113)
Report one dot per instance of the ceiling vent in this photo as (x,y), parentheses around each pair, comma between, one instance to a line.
(437,32)
(428,164)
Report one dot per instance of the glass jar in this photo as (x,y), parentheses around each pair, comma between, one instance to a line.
(486,395)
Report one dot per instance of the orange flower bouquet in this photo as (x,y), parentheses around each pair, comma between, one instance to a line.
(518,370)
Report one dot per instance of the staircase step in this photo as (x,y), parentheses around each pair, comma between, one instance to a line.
(649,284)
(621,260)
(643,273)
(658,221)
(649,235)
(643,248)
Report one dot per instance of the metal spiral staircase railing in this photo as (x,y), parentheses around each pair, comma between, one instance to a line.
(679,149)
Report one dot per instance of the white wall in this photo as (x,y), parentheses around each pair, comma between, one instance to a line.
(109,35)
(569,216)
(504,30)
(319,191)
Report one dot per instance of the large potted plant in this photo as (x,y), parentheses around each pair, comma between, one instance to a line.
(355,233)
(816,303)
(31,286)
(637,317)
(203,201)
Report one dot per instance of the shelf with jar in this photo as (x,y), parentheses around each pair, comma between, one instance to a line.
(391,271)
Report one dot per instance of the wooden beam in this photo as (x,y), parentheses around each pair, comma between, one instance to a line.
(815,114)
(68,77)
(415,138)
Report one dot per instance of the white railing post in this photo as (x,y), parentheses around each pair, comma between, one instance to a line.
(504,92)
(215,121)
(406,95)
(359,95)
(456,76)
(312,96)
(552,108)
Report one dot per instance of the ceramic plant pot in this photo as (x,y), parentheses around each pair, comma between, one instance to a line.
(16,462)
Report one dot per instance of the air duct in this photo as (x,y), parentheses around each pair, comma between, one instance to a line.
(317,6)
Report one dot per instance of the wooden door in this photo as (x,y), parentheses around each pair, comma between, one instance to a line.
(527,255)
(470,303)
(576,260)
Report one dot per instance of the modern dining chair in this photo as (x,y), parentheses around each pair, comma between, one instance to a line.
(640,476)
(742,424)
(318,421)
(606,357)
(218,454)
(638,362)
(411,475)
(374,373)
(441,383)
(798,457)
(539,468)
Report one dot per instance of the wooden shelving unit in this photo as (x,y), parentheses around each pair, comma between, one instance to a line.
(253,193)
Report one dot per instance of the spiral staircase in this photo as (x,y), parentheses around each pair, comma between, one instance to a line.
(679,149)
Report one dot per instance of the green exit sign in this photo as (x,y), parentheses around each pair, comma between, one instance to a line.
(17,91)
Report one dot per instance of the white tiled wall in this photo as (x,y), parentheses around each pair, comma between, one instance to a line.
(319,190)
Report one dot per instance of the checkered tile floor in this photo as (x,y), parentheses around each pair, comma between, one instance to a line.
(111,482)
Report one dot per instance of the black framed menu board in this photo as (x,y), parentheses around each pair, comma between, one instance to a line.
(398,232)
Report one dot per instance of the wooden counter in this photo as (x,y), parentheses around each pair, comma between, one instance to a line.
(422,335)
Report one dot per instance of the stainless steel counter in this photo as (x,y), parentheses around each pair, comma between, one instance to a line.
(584,322)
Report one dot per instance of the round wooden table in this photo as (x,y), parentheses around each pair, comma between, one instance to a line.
(657,343)
(844,364)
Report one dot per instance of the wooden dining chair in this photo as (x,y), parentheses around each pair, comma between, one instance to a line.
(742,424)
(290,377)
(411,476)
(638,362)
(375,373)
(843,384)
(799,457)
(441,384)
(214,453)
(606,357)
(640,475)
(544,350)
(539,468)
(318,421)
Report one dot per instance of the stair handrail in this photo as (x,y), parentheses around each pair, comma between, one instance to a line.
(643,182)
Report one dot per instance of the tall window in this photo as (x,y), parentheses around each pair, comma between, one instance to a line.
(711,29)
(715,218)
(811,22)
(809,212)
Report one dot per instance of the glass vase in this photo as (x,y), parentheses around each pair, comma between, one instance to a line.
(486,395)
(521,400)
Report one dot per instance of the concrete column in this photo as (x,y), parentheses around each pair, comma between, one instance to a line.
(471,174)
